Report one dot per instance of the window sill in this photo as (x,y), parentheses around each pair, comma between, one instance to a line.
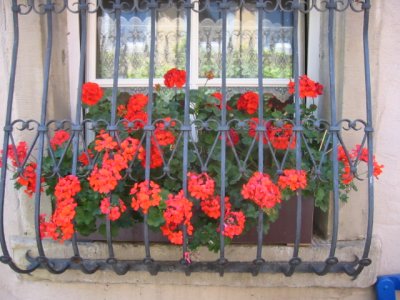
(316,252)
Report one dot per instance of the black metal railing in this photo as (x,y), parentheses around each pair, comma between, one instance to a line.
(50,9)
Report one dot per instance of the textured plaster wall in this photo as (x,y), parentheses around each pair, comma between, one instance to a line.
(386,82)
(385,45)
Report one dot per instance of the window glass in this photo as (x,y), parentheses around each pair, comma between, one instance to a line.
(242,39)
(136,41)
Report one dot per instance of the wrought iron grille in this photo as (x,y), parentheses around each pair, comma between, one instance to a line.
(50,9)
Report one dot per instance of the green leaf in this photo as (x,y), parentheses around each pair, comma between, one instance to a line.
(155,217)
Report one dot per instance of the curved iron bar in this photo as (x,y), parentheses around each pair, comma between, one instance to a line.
(365,261)
(6,258)
(332,260)
(298,129)
(118,6)
(131,6)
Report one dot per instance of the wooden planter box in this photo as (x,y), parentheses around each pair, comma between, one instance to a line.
(282,232)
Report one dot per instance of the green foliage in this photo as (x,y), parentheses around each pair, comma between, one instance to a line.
(205,146)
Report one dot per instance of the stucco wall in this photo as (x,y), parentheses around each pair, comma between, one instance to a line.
(385,45)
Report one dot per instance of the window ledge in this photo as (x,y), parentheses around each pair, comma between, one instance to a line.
(318,251)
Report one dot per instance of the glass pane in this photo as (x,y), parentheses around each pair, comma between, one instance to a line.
(135,42)
(242,38)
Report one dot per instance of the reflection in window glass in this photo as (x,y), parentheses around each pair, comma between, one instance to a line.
(242,39)
(135,43)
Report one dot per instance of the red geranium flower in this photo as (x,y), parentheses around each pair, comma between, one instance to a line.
(234,222)
(232,137)
(293,179)
(16,158)
(111,210)
(177,213)
(61,227)
(308,87)
(175,78)
(252,130)
(156,159)
(200,186)
(145,195)
(248,102)
(85,157)
(212,206)
(262,191)
(104,141)
(362,154)
(130,148)
(60,137)
(91,93)
(136,103)
(164,136)
(103,180)
(281,138)
(28,179)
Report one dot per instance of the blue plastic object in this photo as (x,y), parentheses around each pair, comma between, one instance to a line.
(386,287)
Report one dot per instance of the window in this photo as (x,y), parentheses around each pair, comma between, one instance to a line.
(206,45)
(54,151)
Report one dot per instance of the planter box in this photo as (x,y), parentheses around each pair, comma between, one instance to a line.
(282,232)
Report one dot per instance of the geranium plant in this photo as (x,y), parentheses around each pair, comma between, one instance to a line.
(110,178)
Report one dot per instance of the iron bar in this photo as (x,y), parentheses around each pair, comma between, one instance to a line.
(51,9)
(148,132)
(334,131)
(295,260)
(223,6)
(186,118)
(261,125)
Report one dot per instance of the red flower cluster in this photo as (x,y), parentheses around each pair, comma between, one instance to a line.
(200,186)
(136,103)
(61,226)
(308,88)
(134,111)
(156,159)
(28,179)
(212,207)
(219,97)
(281,138)
(252,130)
(293,179)
(131,148)
(104,179)
(104,141)
(175,78)
(232,137)
(145,195)
(18,157)
(177,213)
(84,157)
(234,222)
(262,191)
(60,137)
(91,93)
(248,102)
(362,153)
(111,210)
(164,136)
